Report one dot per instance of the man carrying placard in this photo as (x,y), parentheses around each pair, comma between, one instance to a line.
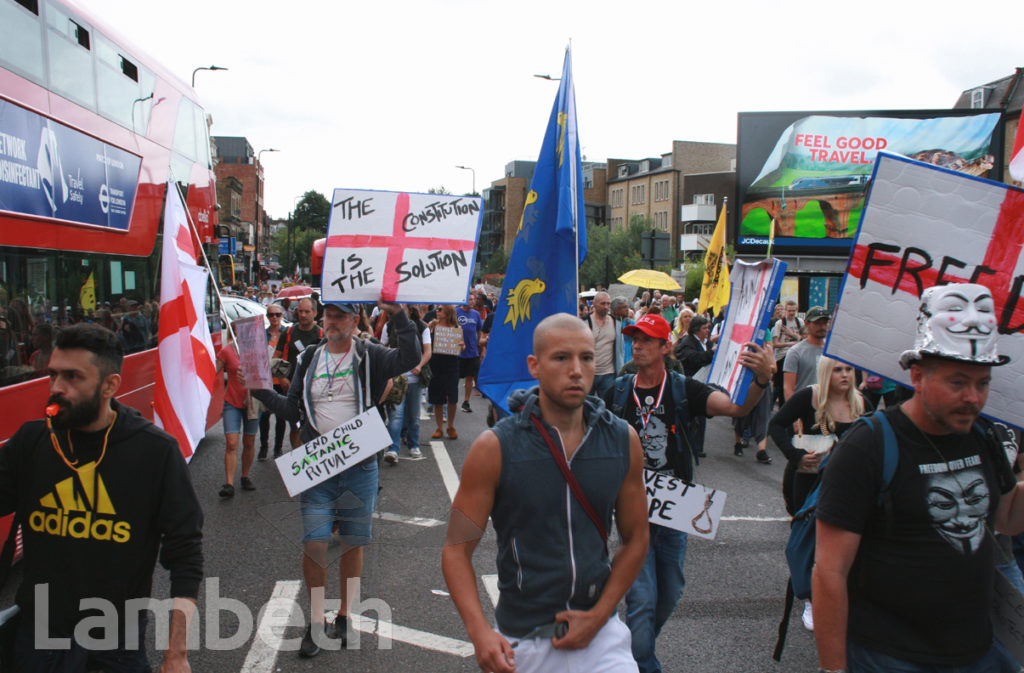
(659,405)
(333,382)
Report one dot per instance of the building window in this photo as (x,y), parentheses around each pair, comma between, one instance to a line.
(978,98)
(704,199)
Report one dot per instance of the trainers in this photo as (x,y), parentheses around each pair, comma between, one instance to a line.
(391,458)
(763,457)
(466,407)
(308,648)
(339,630)
(808,617)
(737,449)
(226,491)
(262,455)
(247,484)
(415,452)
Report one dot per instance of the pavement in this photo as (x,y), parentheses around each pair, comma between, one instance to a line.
(726,621)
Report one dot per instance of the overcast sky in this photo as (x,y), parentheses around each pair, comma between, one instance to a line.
(394,94)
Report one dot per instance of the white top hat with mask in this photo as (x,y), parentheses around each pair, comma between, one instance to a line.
(956,322)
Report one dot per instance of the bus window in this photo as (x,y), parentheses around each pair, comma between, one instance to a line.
(21,38)
(71,71)
(59,288)
(119,86)
(226,269)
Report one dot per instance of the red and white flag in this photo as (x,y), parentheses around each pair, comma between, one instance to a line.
(186,371)
(1017,155)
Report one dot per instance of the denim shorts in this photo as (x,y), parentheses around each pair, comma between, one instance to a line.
(233,419)
(348,499)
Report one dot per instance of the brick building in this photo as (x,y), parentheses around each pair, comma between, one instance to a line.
(235,159)
(1007,95)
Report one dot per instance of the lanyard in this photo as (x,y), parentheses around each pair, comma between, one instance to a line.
(645,418)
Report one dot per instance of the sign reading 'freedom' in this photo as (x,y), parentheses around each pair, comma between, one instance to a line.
(400,246)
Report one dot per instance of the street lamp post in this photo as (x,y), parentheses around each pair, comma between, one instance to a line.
(256,218)
(212,67)
(467,168)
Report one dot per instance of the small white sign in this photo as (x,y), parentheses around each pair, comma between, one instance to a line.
(690,508)
(333,452)
(400,246)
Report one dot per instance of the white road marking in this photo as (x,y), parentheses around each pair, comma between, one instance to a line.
(403,634)
(444,464)
(491,585)
(411,520)
(756,518)
(262,654)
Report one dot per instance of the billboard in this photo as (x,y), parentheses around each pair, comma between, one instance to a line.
(51,170)
(806,173)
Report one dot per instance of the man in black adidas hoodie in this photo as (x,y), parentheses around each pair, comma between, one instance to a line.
(98,492)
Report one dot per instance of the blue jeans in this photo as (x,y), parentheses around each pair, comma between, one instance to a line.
(406,416)
(862,660)
(654,594)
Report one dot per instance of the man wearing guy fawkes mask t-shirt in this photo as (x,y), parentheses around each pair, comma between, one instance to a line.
(659,405)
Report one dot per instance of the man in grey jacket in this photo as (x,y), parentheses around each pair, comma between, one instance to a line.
(335,380)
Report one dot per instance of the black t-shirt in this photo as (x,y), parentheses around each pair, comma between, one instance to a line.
(658,432)
(919,590)
(299,340)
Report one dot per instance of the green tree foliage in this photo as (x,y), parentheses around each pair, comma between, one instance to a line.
(621,248)
(694,279)
(300,250)
(438,190)
(497,263)
(312,213)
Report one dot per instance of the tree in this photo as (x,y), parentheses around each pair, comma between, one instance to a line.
(438,190)
(312,213)
(497,263)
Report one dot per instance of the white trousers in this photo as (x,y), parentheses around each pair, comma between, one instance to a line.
(609,652)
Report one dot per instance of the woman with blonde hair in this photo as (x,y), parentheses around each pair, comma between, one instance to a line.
(682,324)
(824,409)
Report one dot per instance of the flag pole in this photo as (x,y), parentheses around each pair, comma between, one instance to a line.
(209,269)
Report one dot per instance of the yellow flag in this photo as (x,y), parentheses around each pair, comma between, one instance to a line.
(87,295)
(714,292)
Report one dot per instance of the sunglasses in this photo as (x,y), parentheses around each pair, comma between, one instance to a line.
(275,315)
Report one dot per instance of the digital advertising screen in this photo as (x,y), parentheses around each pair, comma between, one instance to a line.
(806,174)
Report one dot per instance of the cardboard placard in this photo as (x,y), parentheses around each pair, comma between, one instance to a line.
(692,509)
(926,226)
(1008,615)
(755,287)
(333,452)
(447,340)
(251,338)
(400,246)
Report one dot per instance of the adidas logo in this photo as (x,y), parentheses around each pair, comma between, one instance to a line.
(81,509)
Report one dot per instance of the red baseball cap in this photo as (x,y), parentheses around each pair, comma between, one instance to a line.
(652,325)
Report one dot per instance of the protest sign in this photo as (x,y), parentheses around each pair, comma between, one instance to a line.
(251,339)
(333,452)
(447,340)
(755,287)
(400,247)
(1008,615)
(691,508)
(926,226)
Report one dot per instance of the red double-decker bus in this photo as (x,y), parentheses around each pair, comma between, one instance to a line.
(91,131)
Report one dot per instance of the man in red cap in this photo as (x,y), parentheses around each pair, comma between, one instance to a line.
(660,405)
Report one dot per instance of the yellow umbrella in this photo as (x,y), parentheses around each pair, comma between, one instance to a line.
(650,279)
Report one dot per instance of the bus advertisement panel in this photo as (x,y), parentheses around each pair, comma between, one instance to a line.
(50,170)
(807,173)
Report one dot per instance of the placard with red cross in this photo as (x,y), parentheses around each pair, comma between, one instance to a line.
(925,226)
(400,246)
(755,289)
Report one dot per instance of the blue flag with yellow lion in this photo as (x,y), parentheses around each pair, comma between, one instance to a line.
(542,273)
